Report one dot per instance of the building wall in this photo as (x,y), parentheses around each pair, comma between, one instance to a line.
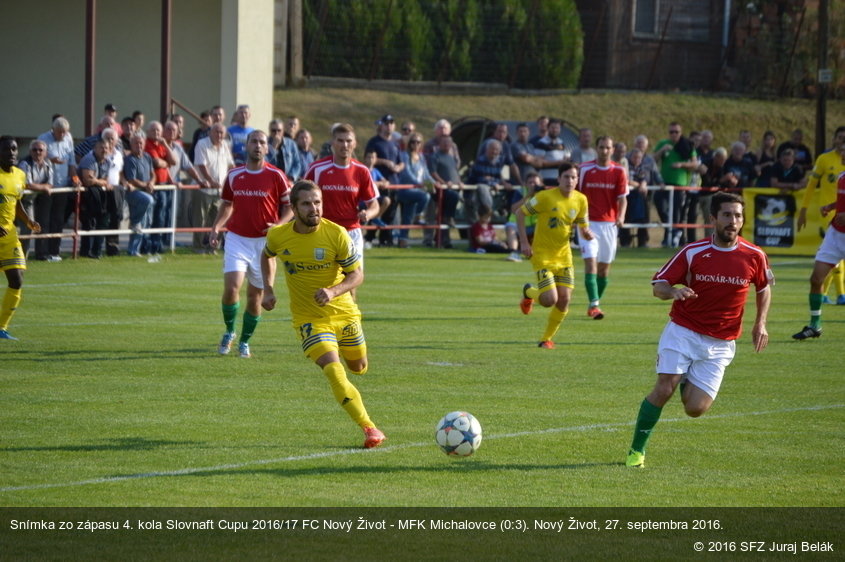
(215,59)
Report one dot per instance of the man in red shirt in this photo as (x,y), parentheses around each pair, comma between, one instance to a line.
(347,185)
(605,183)
(255,197)
(698,343)
(163,159)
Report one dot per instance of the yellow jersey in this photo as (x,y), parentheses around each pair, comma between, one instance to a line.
(311,262)
(824,176)
(556,215)
(12,185)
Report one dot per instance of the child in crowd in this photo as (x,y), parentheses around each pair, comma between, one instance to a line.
(483,235)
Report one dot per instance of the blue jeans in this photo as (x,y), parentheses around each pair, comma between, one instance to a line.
(140,214)
(161,218)
(413,202)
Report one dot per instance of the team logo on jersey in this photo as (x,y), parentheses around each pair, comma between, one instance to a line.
(319,254)
(290,268)
(707,255)
(572,213)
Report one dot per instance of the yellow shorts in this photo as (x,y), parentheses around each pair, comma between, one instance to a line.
(341,334)
(11,254)
(563,277)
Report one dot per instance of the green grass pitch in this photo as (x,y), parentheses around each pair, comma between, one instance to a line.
(115,395)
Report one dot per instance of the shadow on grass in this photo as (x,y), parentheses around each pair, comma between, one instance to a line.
(122,444)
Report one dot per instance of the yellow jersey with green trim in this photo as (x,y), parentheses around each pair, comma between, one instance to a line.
(12,185)
(556,215)
(824,177)
(311,262)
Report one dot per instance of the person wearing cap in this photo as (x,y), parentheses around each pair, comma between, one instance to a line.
(388,163)
(111,111)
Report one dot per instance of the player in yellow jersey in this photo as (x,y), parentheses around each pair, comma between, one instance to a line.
(12,259)
(557,211)
(824,175)
(321,267)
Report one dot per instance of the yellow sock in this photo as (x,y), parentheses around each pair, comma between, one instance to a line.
(346,394)
(532,292)
(11,300)
(839,276)
(556,317)
(827,281)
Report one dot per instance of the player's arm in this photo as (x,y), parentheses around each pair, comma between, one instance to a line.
(759,335)
(523,235)
(664,291)
(285,213)
(268,276)
(370,211)
(21,215)
(350,281)
(223,215)
(812,185)
(621,209)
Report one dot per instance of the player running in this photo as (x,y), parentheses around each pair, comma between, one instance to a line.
(551,256)
(12,259)
(605,184)
(321,267)
(712,277)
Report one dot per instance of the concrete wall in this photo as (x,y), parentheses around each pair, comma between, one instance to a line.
(221,54)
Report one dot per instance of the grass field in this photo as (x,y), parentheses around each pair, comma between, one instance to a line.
(115,395)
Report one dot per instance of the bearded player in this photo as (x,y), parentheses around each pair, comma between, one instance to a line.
(321,267)
(708,283)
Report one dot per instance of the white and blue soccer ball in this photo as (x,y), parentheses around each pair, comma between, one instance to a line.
(458,434)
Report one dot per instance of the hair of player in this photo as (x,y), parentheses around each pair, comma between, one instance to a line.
(724,197)
(568,166)
(299,187)
(342,128)
(255,132)
(7,139)
(604,138)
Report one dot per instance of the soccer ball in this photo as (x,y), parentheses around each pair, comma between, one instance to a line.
(458,434)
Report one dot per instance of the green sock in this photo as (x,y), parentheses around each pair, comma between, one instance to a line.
(230,312)
(250,322)
(602,282)
(592,288)
(646,420)
(816,310)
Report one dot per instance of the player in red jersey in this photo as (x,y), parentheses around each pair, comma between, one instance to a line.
(347,185)
(830,253)
(713,276)
(605,184)
(255,197)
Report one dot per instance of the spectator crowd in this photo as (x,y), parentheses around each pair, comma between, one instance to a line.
(419,182)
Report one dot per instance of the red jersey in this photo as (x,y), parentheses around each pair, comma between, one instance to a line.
(840,201)
(603,187)
(159,150)
(720,277)
(481,235)
(344,187)
(256,198)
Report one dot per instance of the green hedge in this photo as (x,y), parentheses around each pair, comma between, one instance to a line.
(522,43)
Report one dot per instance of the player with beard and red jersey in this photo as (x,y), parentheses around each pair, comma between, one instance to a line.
(346,185)
(255,197)
(605,184)
(713,277)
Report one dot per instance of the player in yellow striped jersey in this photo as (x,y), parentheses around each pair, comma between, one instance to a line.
(12,259)
(557,211)
(823,177)
(321,267)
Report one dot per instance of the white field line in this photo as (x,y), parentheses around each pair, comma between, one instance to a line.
(387,449)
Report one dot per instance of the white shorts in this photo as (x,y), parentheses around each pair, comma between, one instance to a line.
(244,255)
(701,359)
(603,245)
(357,236)
(832,249)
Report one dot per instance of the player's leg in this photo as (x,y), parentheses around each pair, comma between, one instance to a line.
(704,376)
(674,354)
(352,344)
(564,283)
(11,299)
(814,328)
(589,252)
(838,276)
(320,344)
(254,294)
(607,235)
(544,292)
